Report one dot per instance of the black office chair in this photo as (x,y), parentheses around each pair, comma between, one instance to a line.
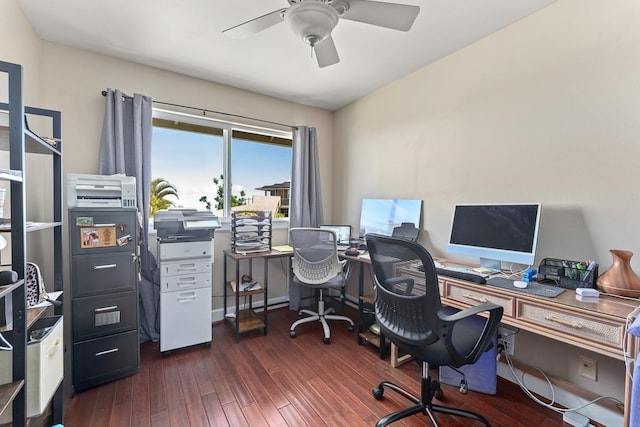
(410,314)
(316,264)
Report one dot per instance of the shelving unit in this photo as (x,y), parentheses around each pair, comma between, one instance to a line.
(19,141)
(247,319)
(251,232)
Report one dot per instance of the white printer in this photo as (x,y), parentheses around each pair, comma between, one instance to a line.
(101,191)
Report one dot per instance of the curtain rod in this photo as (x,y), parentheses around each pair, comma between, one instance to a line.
(204,110)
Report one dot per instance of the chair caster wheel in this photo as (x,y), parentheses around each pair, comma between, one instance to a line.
(464,387)
(292,334)
(326,340)
(350,328)
(378,392)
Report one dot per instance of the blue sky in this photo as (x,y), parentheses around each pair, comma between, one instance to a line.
(190,161)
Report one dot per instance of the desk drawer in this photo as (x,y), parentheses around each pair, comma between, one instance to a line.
(600,331)
(185,282)
(476,295)
(176,268)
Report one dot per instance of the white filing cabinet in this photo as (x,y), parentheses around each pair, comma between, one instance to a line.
(185,293)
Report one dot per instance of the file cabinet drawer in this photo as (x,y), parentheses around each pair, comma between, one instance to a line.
(600,331)
(104,314)
(102,231)
(99,274)
(107,358)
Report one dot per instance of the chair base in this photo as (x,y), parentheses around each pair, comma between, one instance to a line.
(429,388)
(322,316)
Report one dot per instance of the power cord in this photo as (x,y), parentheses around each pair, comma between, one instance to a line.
(567,417)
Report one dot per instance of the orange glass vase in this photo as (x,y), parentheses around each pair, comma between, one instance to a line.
(620,279)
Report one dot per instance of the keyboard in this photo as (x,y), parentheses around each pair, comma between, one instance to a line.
(462,274)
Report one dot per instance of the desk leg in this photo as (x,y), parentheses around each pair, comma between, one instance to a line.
(224,287)
(236,321)
(266,291)
(360,303)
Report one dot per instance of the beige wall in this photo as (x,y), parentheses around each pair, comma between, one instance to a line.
(545,110)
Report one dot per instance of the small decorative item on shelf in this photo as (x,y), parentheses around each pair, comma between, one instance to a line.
(620,279)
(250,231)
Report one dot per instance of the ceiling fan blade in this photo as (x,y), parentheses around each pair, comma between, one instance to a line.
(256,25)
(389,15)
(326,52)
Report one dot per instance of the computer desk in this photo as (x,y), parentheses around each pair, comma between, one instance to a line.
(599,327)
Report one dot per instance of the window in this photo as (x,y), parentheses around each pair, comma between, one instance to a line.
(217,165)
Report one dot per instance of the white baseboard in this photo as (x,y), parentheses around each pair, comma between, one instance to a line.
(539,385)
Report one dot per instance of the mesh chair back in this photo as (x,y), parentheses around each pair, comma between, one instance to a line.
(315,255)
(407,295)
(409,311)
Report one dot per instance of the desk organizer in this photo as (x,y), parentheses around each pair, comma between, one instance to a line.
(250,231)
(568,274)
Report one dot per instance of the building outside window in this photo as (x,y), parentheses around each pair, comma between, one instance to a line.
(219,165)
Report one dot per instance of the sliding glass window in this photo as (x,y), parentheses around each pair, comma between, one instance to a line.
(203,163)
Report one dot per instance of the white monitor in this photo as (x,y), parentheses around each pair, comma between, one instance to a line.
(496,232)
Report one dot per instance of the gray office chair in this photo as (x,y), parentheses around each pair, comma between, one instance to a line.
(410,314)
(316,265)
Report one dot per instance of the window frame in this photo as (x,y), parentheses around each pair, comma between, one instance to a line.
(227,128)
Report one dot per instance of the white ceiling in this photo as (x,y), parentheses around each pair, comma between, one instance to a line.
(185,36)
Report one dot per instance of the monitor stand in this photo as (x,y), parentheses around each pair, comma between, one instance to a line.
(491,264)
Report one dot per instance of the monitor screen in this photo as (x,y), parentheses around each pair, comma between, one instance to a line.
(381,216)
(343,232)
(496,232)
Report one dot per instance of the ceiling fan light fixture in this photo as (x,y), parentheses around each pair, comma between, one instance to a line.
(311,21)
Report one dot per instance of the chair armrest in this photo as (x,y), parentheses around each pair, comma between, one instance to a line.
(394,283)
(485,338)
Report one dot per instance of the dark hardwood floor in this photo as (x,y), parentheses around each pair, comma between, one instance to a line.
(275,380)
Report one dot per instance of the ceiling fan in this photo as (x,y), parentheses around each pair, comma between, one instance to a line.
(313,20)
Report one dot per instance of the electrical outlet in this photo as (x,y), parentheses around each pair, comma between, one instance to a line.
(507,338)
(588,368)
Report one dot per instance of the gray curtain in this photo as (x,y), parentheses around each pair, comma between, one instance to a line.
(125,148)
(305,205)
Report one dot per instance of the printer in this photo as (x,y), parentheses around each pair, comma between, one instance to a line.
(101,191)
(185,225)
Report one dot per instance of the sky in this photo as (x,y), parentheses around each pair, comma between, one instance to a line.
(190,161)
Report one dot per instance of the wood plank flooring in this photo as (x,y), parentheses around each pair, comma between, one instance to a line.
(275,380)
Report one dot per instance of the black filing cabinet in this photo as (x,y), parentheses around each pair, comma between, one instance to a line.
(104,289)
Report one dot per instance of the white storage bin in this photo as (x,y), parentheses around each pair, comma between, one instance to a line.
(45,365)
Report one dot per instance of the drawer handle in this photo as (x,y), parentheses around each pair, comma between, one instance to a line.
(102,353)
(564,322)
(54,347)
(113,307)
(187,297)
(187,281)
(475,298)
(102,267)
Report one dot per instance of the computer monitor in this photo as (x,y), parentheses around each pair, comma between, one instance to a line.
(496,232)
(381,216)
(343,233)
